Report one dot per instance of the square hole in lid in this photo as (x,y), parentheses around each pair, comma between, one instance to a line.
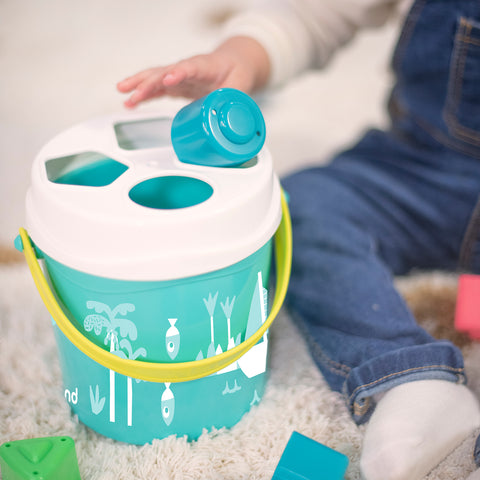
(141,134)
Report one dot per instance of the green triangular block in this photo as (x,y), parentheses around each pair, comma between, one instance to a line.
(37,450)
(48,458)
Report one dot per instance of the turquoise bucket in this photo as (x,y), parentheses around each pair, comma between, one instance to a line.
(155,273)
(182,320)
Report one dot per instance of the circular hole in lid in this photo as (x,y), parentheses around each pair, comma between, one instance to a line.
(170,192)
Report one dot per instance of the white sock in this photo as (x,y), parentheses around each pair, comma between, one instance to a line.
(474,475)
(415,426)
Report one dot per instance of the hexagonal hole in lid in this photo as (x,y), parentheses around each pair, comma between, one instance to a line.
(171,192)
(89,169)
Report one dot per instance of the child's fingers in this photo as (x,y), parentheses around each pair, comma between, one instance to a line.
(149,88)
(125,86)
(188,78)
(198,69)
(129,103)
(174,77)
(130,83)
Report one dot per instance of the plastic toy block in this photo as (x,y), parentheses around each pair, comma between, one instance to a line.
(467,312)
(306,459)
(49,458)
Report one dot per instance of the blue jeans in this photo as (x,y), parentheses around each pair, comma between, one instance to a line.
(400,199)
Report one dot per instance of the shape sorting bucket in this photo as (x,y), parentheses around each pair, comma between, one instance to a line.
(156,274)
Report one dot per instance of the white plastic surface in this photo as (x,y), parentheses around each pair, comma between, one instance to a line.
(101,231)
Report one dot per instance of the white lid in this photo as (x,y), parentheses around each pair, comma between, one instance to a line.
(100,230)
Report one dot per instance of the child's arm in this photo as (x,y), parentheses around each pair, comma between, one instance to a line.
(267,46)
(239,62)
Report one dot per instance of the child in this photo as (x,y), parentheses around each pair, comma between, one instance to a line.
(401,198)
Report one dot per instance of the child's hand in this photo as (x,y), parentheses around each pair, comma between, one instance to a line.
(190,78)
(239,63)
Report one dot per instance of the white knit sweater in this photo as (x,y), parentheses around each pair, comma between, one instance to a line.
(303,34)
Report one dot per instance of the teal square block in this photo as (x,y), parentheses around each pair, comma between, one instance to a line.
(306,459)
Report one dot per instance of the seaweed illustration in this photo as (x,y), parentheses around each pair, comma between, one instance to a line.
(131,355)
(96,402)
(227,308)
(210,304)
(113,326)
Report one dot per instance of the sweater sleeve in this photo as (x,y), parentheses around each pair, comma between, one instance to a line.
(303,34)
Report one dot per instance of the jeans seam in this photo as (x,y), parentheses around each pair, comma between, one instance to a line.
(462,142)
(407,32)
(463,40)
(319,355)
(452,143)
(391,375)
(470,239)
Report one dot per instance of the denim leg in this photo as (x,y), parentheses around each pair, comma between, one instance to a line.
(397,200)
(356,223)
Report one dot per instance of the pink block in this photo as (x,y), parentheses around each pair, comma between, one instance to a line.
(467,313)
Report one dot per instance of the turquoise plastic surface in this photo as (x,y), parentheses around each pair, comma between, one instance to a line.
(171,192)
(167,321)
(223,129)
(48,458)
(98,174)
(306,459)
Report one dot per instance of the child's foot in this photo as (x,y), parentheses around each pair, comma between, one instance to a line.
(415,426)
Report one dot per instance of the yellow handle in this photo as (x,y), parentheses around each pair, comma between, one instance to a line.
(168,372)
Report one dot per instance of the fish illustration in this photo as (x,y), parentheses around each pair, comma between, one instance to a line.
(172,339)
(168,405)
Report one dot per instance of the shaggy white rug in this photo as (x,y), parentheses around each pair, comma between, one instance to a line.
(49,45)
(296,398)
